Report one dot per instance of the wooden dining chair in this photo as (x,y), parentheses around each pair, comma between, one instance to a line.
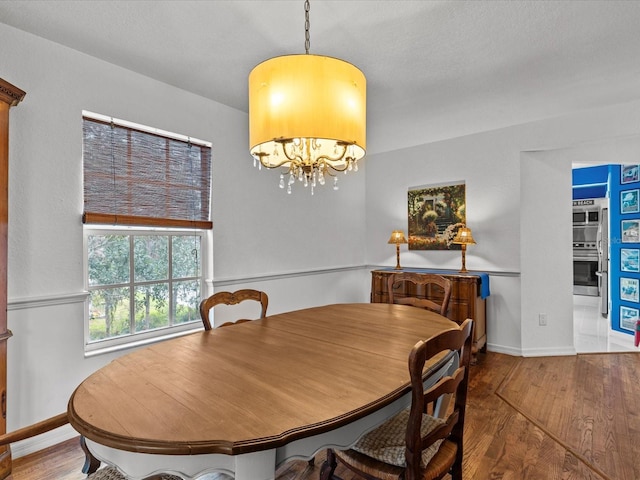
(414,445)
(232,298)
(436,287)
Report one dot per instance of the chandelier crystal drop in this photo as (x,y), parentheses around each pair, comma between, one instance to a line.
(307,116)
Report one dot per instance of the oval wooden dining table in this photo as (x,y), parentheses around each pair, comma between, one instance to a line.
(243,399)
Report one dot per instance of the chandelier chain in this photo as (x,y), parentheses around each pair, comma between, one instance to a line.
(307,40)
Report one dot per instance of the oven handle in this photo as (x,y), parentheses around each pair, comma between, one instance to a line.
(593,258)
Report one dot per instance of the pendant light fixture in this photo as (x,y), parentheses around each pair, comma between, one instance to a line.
(307,115)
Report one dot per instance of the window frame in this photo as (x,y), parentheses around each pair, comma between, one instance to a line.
(149,336)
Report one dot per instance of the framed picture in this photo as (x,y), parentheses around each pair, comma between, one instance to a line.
(630,260)
(629,201)
(629,173)
(435,213)
(629,289)
(628,318)
(630,231)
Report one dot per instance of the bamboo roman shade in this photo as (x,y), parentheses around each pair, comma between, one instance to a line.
(142,178)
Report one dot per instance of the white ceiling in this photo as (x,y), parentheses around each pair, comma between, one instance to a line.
(435,69)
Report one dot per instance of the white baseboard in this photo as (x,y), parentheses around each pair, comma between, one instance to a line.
(514,352)
(550,351)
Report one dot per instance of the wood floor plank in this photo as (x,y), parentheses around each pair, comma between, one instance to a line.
(551,418)
(592,391)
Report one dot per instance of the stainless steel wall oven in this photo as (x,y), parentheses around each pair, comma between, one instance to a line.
(589,245)
(585,276)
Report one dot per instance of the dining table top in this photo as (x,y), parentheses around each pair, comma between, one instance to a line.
(256,385)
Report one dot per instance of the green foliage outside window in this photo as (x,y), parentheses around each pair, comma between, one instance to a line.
(142,282)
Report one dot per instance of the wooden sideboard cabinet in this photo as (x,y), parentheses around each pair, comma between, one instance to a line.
(466,301)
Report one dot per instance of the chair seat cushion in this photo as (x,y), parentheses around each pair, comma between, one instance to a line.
(387,443)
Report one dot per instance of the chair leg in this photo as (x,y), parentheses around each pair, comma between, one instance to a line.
(456,472)
(456,468)
(329,466)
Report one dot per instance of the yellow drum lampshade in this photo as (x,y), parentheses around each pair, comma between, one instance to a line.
(306,97)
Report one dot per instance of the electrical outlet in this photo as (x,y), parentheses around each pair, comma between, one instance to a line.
(542,319)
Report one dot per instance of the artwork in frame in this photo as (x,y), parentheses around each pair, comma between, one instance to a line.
(629,173)
(628,318)
(630,260)
(629,289)
(630,231)
(435,213)
(629,201)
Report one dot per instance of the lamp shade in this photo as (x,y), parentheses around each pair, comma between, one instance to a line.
(464,237)
(397,237)
(307,97)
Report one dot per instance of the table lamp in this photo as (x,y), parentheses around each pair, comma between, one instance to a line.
(464,238)
(397,237)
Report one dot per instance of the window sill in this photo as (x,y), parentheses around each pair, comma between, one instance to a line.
(140,343)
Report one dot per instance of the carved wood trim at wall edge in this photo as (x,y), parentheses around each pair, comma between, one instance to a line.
(10,93)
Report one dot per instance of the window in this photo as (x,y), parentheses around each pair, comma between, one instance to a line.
(146,198)
(141,282)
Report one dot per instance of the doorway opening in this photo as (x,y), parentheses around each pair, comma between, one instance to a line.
(592,328)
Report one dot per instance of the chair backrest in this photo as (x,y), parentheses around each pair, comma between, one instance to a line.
(232,298)
(428,281)
(452,430)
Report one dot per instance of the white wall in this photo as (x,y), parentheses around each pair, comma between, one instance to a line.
(259,231)
(546,278)
(528,275)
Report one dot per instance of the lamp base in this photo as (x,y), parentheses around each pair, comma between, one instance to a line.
(464,252)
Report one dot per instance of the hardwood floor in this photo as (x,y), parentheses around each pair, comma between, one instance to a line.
(547,418)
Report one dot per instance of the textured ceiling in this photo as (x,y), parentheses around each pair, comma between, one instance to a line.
(435,69)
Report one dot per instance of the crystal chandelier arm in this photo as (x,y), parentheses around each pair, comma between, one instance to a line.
(261,156)
(338,157)
(336,168)
(284,143)
(295,159)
